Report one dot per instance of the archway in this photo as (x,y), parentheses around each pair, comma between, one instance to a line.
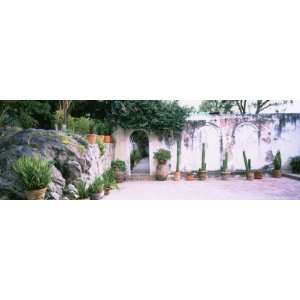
(139,152)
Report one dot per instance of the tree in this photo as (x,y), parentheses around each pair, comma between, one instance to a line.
(217,106)
(259,105)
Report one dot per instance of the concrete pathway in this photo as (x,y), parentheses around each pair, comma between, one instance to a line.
(142,167)
(212,189)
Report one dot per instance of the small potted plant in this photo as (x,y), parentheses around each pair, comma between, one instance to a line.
(109,181)
(96,189)
(202,173)
(107,130)
(83,191)
(35,175)
(277,165)
(177,173)
(249,173)
(189,176)
(100,131)
(119,168)
(162,170)
(224,169)
(258,174)
(295,164)
(92,137)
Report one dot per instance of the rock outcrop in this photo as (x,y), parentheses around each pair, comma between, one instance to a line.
(72,157)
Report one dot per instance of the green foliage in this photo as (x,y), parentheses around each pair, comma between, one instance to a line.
(162,156)
(82,125)
(295,164)
(217,106)
(135,157)
(101,146)
(3,115)
(96,187)
(165,118)
(82,189)
(118,165)
(224,167)
(203,163)
(109,179)
(140,138)
(33,172)
(277,161)
(247,162)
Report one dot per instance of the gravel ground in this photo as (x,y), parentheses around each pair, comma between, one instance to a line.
(212,189)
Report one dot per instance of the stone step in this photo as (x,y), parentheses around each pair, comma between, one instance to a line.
(140,177)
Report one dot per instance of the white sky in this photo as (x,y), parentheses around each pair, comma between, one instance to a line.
(290,108)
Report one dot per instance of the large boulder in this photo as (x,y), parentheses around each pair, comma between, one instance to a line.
(72,158)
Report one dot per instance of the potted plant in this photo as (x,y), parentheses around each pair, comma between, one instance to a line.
(107,132)
(96,189)
(258,174)
(119,168)
(92,137)
(82,125)
(177,173)
(109,181)
(189,176)
(100,131)
(224,169)
(249,173)
(295,164)
(35,175)
(202,173)
(83,191)
(162,170)
(277,165)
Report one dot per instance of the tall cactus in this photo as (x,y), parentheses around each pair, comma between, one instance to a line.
(203,164)
(247,162)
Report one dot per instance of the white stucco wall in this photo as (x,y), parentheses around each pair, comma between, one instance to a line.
(260,136)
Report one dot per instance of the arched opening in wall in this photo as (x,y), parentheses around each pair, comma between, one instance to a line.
(245,139)
(139,153)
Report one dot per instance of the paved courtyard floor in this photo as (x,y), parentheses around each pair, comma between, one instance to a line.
(212,189)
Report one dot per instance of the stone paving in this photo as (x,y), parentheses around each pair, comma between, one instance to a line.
(212,189)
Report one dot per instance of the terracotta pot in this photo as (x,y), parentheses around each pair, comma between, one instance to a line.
(177,176)
(258,175)
(202,175)
(162,172)
(107,139)
(97,196)
(101,138)
(189,177)
(36,194)
(249,175)
(91,138)
(107,191)
(120,176)
(276,173)
(225,175)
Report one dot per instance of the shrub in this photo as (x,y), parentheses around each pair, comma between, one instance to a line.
(118,165)
(135,157)
(295,164)
(109,179)
(83,125)
(96,187)
(101,146)
(33,172)
(162,156)
(277,161)
(82,189)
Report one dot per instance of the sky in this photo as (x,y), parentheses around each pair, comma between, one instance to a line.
(291,108)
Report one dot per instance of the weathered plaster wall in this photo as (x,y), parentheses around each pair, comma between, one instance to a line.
(259,135)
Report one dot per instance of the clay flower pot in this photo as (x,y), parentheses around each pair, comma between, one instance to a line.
(177,176)
(202,175)
(120,176)
(91,138)
(249,175)
(97,196)
(225,175)
(107,139)
(258,174)
(276,173)
(36,194)
(107,191)
(189,177)
(162,172)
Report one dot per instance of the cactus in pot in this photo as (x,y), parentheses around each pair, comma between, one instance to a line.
(202,173)
(277,165)
(224,169)
(247,162)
